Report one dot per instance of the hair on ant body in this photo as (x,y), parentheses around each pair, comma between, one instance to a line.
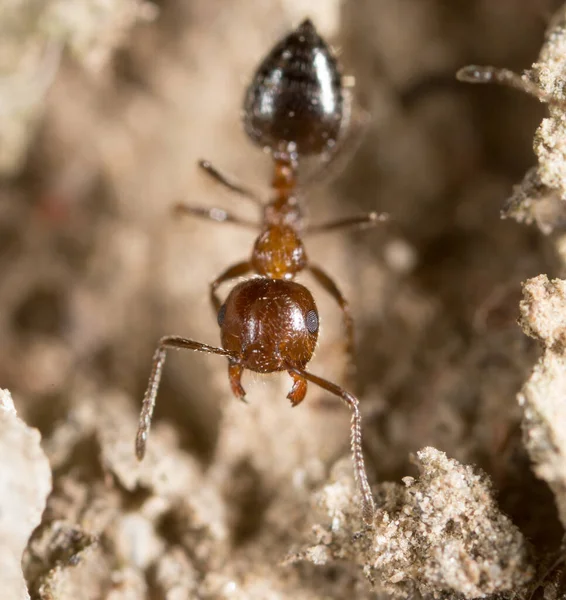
(296,105)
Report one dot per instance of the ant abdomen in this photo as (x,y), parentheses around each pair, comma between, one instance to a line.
(295,103)
(271,323)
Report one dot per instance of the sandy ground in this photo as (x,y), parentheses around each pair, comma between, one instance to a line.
(104,111)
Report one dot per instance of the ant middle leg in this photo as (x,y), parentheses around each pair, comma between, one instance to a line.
(219,214)
(227,182)
(356,222)
(237,270)
(328,284)
(213,214)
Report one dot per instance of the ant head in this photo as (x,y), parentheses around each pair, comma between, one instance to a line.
(279,253)
(294,104)
(270,324)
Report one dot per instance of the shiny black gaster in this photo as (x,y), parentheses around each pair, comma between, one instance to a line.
(294,103)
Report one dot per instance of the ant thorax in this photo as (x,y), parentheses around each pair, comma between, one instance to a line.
(278,253)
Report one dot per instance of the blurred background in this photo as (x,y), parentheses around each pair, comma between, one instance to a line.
(105,109)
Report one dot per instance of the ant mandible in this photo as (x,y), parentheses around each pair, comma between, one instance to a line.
(295,106)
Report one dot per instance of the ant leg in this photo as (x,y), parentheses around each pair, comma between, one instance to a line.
(235,371)
(170,342)
(481,74)
(213,214)
(237,270)
(218,214)
(219,177)
(299,389)
(328,284)
(358,222)
(368,508)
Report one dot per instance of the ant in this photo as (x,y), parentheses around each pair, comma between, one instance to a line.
(295,106)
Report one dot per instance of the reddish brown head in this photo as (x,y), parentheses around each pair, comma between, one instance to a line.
(294,103)
(271,324)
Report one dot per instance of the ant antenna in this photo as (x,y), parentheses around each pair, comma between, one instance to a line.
(505,77)
(368,506)
(171,342)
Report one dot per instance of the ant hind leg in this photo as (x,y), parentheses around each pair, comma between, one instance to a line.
(218,214)
(227,182)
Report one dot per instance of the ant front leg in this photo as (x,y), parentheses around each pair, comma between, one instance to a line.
(237,270)
(328,284)
(172,342)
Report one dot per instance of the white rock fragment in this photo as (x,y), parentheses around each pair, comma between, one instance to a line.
(550,139)
(176,578)
(543,396)
(542,311)
(540,197)
(127,584)
(136,541)
(441,533)
(532,202)
(25,482)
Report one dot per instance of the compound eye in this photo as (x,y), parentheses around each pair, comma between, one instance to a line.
(311,321)
(221,315)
